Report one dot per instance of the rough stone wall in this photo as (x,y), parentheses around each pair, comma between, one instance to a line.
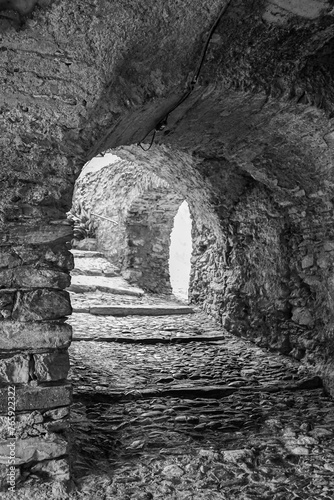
(83,76)
(274,284)
(34,338)
(148,227)
(262,253)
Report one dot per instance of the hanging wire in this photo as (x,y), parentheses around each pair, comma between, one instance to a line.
(163,122)
(152,140)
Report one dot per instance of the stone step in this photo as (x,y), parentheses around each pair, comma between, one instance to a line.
(151,340)
(102,395)
(81,254)
(207,392)
(126,310)
(94,272)
(78,288)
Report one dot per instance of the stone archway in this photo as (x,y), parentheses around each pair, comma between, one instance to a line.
(143,207)
(253,139)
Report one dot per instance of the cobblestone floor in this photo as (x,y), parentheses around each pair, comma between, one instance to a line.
(174,407)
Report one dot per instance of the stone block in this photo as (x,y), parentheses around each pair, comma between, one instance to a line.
(51,366)
(17,335)
(7,299)
(323,260)
(30,277)
(37,398)
(129,310)
(88,244)
(59,256)
(57,413)
(302,316)
(238,456)
(33,449)
(41,304)
(26,425)
(23,256)
(307,261)
(8,258)
(32,424)
(328,246)
(312,281)
(15,370)
(57,426)
(57,470)
(27,234)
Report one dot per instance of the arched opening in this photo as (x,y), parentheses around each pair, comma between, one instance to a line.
(132,211)
(245,136)
(180,252)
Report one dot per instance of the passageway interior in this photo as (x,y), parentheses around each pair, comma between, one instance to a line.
(224,104)
(167,403)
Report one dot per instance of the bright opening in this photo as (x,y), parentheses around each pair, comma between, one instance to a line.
(180,252)
(95,164)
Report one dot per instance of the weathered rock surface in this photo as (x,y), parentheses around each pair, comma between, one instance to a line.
(243,129)
(31,398)
(33,450)
(40,305)
(125,310)
(15,369)
(52,366)
(34,335)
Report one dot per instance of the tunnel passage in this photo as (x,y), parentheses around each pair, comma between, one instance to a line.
(250,149)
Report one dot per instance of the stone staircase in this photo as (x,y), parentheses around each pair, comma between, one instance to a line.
(94,273)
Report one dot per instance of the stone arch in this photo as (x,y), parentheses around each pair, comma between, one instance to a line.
(138,195)
(254,141)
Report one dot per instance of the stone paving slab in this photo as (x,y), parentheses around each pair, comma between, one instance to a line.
(80,288)
(149,340)
(84,254)
(107,283)
(129,310)
(99,297)
(92,264)
(106,395)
